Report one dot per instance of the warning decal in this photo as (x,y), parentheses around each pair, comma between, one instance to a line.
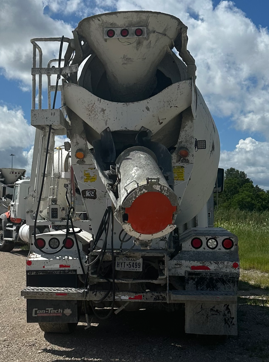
(179,173)
(90,176)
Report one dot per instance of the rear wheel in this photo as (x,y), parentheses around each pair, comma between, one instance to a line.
(5,245)
(58,327)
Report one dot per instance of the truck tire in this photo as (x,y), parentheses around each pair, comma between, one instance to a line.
(58,327)
(5,245)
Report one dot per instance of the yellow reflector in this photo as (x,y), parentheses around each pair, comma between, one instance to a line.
(79,154)
(184,152)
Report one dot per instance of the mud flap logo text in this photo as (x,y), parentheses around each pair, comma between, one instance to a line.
(48,312)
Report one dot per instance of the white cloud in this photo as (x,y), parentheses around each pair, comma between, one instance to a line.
(75,7)
(16,137)
(231,55)
(59,140)
(230,51)
(28,155)
(14,130)
(21,21)
(249,156)
(78,8)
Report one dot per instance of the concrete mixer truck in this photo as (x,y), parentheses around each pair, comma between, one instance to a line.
(14,189)
(144,156)
(9,225)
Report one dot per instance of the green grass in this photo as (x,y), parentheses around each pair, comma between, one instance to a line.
(25,247)
(252,230)
(252,279)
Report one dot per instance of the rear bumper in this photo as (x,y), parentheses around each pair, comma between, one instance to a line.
(57,293)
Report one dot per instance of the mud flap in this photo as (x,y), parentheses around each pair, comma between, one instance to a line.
(211,318)
(52,311)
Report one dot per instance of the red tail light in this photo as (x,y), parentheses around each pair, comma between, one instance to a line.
(184,152)
(124,32)
(138,32)
(227,244)
(40,243)
(110,33)
(68,243)
(15,221)
(196,243)
(200,267)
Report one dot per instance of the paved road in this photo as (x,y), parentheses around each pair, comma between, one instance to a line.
(130,336)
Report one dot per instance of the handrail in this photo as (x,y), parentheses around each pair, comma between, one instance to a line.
(37,47)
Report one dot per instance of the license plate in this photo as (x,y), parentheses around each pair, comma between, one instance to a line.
(129,264)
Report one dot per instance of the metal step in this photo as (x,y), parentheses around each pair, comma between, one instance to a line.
(8,239)
(186,295)
(54,293)
(182,296)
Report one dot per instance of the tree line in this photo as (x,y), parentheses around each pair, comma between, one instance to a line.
(240,193)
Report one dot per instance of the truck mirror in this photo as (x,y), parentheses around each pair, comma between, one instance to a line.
(219,185)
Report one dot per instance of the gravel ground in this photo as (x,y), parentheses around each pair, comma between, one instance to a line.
(137,336)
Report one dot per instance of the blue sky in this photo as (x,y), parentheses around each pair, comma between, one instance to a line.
(229,40)
(256,10)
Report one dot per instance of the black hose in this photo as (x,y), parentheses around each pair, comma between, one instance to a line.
(100,231)
(122,239)
(70,209)
(113,273)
